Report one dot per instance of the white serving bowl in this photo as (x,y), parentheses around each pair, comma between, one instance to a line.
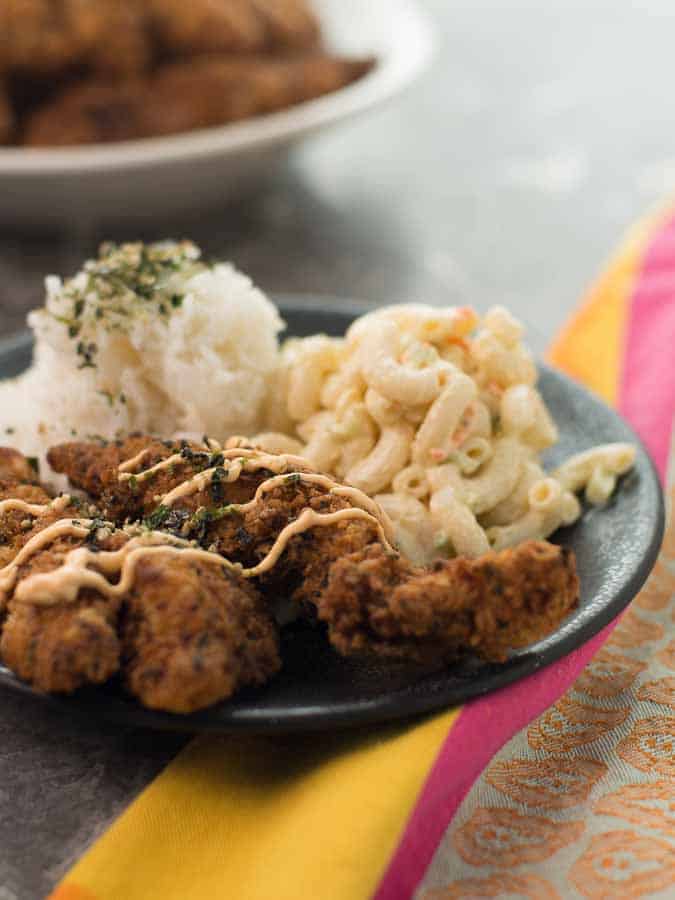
(135,180)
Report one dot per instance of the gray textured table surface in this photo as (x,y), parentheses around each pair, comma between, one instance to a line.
(506,174)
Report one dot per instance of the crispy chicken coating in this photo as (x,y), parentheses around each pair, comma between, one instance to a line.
(15,524)
(59,648)
(205,515)
(94,467)
(234,26)
(302,570)
(378,603)
(189,633)
(193,634)
(18,481)
(185,96)
(371,599)
(48,37)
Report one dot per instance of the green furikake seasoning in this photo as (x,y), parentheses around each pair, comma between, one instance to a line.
(157,518)
(125,281)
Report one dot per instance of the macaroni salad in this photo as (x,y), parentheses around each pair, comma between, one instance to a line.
(436,414)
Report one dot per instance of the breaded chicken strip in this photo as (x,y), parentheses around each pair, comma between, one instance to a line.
(94,467)
(378,603)
(61,647)
(50,36)
(193,634)
(217,91)
(302,570)
(233,26)
(15,524)
(371,598)
(122,36)
(18,482)
(185,96)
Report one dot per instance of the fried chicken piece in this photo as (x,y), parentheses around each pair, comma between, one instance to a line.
(288,24)
(59,648)
(18,481)
(301,572)
(94,467)
(48,37)
(381,604)
(234,26)
(371,598)
(185,96)
(193,634)
(205,516)
(15,524)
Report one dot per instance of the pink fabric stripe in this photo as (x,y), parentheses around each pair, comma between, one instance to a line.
(483,727)
(647,392)
(647,400)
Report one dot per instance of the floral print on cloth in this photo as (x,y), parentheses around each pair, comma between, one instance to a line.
(582,803)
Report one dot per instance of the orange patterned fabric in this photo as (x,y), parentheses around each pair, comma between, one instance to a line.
(582,804)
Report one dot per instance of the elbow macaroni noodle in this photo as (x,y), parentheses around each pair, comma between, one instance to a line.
(436,413)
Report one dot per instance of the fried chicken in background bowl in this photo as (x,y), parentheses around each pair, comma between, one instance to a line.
(185,96)
(90,108)
(114,71)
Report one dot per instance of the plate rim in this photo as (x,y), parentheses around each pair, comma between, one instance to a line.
(379,709)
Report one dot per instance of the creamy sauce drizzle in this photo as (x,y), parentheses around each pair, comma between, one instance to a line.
(129,469)
(62,528)
(85,568)
(35,509)
(126,468)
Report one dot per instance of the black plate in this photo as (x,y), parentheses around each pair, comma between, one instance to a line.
(616,548)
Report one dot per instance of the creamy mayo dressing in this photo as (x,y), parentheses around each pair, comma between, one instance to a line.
(64,583)
(128,470)
(35,509)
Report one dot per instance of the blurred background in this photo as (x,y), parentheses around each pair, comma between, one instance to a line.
(506,173)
